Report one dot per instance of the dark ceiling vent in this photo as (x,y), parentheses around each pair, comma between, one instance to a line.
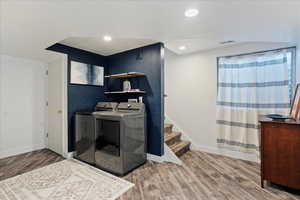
(227,42)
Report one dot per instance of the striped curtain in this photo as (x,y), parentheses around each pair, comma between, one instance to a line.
(249,86)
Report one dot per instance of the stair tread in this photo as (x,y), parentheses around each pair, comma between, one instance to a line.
(176,147)
(170,136)
(168,125)
(168,128)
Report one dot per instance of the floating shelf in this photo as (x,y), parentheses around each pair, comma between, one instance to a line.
(126,92)
(125,75)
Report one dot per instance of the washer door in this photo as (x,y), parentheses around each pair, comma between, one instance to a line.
(108,149)
(108,137)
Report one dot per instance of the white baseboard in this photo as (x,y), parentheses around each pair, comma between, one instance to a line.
(169,156)
(232,154)
(155,158)
(69,155)
(224,152)
(20,150)
(214,150)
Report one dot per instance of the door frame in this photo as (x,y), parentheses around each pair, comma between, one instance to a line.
(66,153)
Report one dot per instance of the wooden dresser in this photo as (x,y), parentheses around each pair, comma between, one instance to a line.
(280,152)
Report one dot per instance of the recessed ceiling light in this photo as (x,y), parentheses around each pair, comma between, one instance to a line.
(182,48)
(191,12)
(107,38)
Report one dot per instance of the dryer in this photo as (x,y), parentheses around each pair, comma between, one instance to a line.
(120,138)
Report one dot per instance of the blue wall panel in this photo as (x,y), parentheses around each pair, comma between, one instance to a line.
(148,60)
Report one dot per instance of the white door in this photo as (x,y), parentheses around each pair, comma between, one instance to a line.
(55,106)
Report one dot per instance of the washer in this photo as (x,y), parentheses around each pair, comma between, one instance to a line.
(121,138)
(85,131)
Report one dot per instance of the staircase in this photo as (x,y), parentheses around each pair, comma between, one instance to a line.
(173,140)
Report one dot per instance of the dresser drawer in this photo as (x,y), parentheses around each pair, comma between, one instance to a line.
(281,153)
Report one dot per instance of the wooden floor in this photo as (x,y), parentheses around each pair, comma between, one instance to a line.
(20,164)
(203,176)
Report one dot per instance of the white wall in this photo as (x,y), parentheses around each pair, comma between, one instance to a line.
(191,86)
(22,105)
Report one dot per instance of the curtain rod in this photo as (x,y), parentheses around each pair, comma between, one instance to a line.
(257,52)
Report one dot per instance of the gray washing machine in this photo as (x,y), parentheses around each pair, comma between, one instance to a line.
(120,138)
(85,131)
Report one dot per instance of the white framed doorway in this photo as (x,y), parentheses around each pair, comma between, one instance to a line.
(57,100)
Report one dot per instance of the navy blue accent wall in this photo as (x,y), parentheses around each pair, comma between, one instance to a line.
(80,97)
(148,60)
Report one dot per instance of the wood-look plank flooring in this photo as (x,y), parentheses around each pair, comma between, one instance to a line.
(202,177)
(22,163)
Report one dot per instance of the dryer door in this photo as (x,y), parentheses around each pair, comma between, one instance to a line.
(108,149)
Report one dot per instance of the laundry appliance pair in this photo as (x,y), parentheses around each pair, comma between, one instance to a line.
(113,137)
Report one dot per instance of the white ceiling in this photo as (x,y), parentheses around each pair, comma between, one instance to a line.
(29,26)
(99,46)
